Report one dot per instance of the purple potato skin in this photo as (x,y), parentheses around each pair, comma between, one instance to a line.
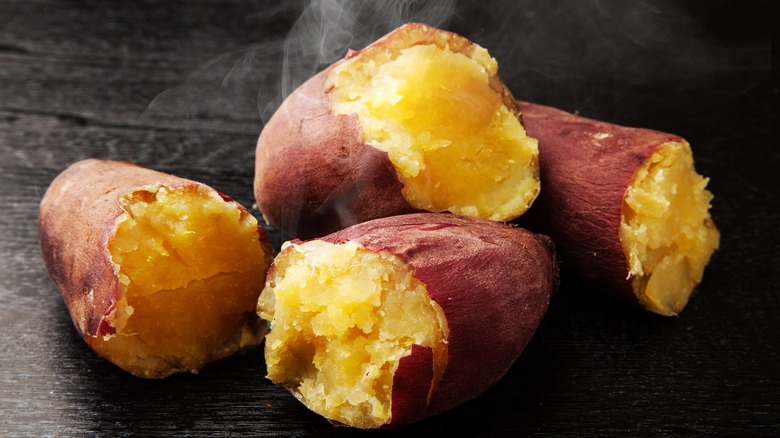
(586,167)
(77,219)
(314,174)
(493,283)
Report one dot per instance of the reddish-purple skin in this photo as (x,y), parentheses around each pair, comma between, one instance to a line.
(584,179)
(314,174)
(77,218)
(412,384)
(493,283)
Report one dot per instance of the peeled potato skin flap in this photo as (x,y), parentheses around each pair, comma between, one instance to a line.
(493,283)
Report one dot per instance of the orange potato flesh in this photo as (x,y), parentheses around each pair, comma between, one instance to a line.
(190,267)
(341,318)
(666,229)
(439,110)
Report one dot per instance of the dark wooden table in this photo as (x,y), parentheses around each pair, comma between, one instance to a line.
(183,87)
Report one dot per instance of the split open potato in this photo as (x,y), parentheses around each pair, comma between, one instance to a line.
(625,206)
(417,121)
(396,319)
(160,274)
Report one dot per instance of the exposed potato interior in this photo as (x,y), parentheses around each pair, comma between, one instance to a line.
(190,267)
(666,230)
(440,112)
(341,319)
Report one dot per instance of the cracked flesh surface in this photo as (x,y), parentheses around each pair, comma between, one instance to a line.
(442,120)
(341,318)
(190,268)
(666,229)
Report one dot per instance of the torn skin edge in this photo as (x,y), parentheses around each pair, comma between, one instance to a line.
(104,327)
(411,396)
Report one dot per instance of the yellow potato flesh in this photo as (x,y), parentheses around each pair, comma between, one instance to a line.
(455,144)
(666,230)
(190,268)
(341,319)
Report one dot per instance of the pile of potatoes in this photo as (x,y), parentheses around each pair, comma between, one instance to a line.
(397,172)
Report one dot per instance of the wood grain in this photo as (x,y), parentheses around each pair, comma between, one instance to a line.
(145,81)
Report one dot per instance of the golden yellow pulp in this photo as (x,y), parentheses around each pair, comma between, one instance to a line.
(666,229)
(341,319)
(441,117)
(190,267)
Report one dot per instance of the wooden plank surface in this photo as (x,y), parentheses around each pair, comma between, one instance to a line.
(183,87)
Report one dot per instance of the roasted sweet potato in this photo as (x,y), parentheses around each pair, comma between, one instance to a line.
(160,274)
(625,206)
(396,319)
(417,121)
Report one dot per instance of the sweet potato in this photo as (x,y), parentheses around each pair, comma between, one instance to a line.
(396,319)
(417,121)
(625,207)
(160,274)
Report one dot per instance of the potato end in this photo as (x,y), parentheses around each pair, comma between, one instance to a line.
(190,267)
(666,229)
(342,318)
(434,102)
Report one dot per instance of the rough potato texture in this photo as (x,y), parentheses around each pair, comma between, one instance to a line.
(79,219)
(430,145)
(587,169)
(491,281)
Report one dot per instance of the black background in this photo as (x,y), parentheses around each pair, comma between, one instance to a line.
(183,87)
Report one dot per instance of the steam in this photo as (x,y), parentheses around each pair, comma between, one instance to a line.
(569,53)
(621,61)
(327,29)
(645,63)
(222,93)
